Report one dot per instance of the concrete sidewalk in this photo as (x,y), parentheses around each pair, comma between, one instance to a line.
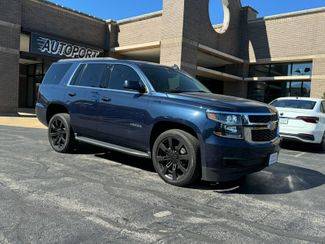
(25,122)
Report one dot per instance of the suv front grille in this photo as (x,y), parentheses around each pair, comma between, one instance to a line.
(263,135)
(262,118)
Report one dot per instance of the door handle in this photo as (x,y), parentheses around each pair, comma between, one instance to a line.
(72,94)
(106,99)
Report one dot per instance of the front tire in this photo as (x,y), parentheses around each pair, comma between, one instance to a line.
(176,157)
(60,133)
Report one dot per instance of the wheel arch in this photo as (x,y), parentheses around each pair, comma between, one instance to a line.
(165,125)
(55,108)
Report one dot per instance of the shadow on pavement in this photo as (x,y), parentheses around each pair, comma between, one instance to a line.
(278,179)
(302,147)
(282,179)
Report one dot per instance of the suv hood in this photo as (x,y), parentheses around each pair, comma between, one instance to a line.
(223,103)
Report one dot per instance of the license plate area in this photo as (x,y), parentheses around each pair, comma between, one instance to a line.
(274,158)
(284,121)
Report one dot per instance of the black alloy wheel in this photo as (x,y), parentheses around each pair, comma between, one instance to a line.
(60,134)
(175,156)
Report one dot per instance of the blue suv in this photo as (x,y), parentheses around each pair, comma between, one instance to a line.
(158,112)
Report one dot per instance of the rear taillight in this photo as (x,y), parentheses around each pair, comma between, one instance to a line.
(309,119)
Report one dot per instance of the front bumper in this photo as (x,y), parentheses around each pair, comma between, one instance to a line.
(228,159)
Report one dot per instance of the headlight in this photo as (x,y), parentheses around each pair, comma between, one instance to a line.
(228,125)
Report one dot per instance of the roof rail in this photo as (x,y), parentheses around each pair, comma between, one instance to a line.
(86,59)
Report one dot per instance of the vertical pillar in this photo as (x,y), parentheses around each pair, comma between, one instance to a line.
(175,48)
(10,26)
(318,78)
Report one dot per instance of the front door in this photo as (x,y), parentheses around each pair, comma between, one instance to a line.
(124,113)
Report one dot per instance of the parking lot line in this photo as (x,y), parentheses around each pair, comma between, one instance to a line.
(299,155)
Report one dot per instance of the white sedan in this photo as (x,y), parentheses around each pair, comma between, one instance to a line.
(302,119)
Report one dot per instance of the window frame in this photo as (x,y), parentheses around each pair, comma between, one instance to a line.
(139,73)
(269,68)
(79,72)
(124,90)
(43,81)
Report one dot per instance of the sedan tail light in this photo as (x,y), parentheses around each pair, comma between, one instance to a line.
(308,119)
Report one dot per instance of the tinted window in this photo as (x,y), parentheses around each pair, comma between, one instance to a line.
(283,69)
(299,104)
(92,75)
(280,69)
(55,74)
(260,70)
(165,79)
(120,74)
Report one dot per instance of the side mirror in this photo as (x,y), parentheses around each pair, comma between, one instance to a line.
(134,86)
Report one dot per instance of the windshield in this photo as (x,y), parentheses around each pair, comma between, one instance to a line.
(169,80)
(298,104)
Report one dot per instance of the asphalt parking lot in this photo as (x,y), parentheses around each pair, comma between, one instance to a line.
(95,196)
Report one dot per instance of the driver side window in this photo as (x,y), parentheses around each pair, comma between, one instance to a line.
(120,74)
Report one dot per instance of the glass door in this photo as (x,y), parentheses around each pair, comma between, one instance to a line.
(35,74)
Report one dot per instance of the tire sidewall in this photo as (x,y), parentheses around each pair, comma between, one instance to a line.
(192,148)
(65,118)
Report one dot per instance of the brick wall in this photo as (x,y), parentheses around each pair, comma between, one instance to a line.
(46,18)
(138,32)
(10,12)
(285,37)
(318,78)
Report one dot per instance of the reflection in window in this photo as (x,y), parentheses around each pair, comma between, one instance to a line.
(301,69)
(306,86)
(268,91)
(295,89)
(282,69)
(260,70)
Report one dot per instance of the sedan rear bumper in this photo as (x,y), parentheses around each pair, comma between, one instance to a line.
(314,137)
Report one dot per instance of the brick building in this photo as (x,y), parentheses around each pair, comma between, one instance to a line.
(246,56)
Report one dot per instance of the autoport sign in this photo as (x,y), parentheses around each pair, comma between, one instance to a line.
(51,46)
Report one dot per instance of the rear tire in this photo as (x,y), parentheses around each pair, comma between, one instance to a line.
(60,133)
(176,157)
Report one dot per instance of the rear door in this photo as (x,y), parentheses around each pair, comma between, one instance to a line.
(84,97)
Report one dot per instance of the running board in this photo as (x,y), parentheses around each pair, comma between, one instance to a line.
(113,147)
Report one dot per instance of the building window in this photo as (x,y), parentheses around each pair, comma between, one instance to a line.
(282,69)
(302,69)
(260,70)
(267,91)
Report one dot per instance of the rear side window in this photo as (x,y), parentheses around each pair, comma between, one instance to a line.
(298,104)
(55,74)
(92,75)
(120,74)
